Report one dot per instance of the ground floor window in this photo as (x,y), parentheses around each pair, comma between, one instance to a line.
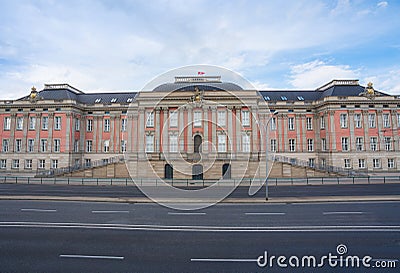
(54,163)
(168,171)
(28,163)
(88,162)
(361,163)
(347,163)
(390,163)
(311,162)
(15,164)
(42,164)
(376,163)
(3,163)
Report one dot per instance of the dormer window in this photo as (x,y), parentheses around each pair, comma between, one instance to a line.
(300,98)
(283,98)
(97,100)
(129,100)
(113,100)
(267,98)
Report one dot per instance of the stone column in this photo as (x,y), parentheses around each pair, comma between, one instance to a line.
(214,126)
(157,133)
(205,136)
(94,129)
(239,130)
(165,130)
(303,133)
(352,135)
(181,129)
(282,132)
(332,130)
(38,130)
(379,126)
(395,129)
(51,129)
(189,132)
(254,125)
(25,131)
(12,132)
(141,126)
(365,127)
(298,121)
(230,129)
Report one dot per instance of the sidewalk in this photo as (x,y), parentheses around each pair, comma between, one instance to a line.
(313,199)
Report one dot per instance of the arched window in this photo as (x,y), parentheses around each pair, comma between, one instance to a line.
(226,171)
(197,143)
(168,171)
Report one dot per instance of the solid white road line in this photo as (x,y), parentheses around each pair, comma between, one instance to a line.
(265,213)
(91,257)
(342,212)
(186,213)
(40,210)
(221,260)
(110,211)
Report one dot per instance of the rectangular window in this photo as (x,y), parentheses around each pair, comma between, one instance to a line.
(123,146)
(391,163)
(371,120)
(343,120)
(77,124)
(149,119)
(57,145)
(309,123)
(388,143)
(173,143)
(3,163)
(291,124)
(376,162)
(31,145)
(246,143)
(7,123)
(323,162)
(273,145)
(89,146)
(373,143)
(361,163)
(20,123)
(310,144)
(173,119)
(107,125)
(273,124)
(323,144)
(28,163)
(45,123)
(54,163)
(123,124)
(15,164)
(197,115)
(32,123)
(245,118)
(311,162)
(221,118)
(42,164)
(322,122)
(359,144)
(76,146)
(357,121)
(149,143)
(88,162)
(106,146)
(57,123)
(292,145)
(347,163)
(18,145)
(386,121)
(221,143)
(89,125)
(6,146)
(345,143)
(43,145)
(398,120)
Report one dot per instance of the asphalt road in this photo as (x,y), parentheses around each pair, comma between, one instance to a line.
(37,236)
(239,192)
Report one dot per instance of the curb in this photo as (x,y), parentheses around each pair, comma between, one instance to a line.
(314,199)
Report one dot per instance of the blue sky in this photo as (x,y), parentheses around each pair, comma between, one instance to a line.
(115,45)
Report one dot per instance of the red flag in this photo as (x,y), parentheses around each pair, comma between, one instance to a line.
(201,73)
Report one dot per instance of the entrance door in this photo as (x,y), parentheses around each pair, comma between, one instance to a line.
(197,143)
(197,172)
(226,171)
(168,171)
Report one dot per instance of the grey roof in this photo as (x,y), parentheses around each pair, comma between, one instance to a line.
(189,86)
(85,98)
(312,95)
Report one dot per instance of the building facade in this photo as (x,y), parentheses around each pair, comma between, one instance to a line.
(201,127)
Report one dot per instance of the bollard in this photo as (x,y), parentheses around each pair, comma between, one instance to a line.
(28,180)
(384,180)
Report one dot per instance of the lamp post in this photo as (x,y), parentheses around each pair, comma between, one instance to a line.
(266,154)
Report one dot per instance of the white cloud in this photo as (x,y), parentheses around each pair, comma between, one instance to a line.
(313,74)
(382,4)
